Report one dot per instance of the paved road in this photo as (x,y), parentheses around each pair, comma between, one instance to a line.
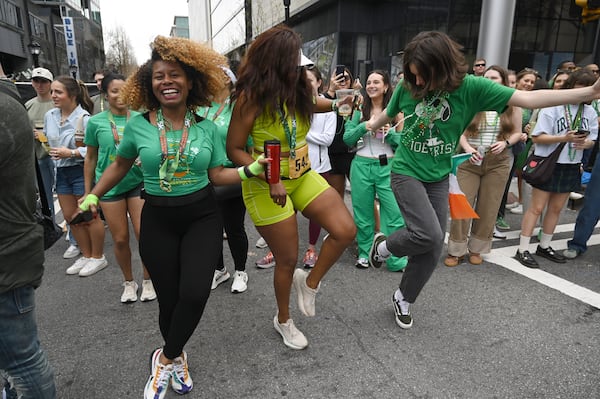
(489,331)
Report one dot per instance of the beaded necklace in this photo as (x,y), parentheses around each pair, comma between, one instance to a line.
(430,108)
(169,164)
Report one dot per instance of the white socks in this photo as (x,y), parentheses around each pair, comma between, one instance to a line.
(545,240)
(524,243)
(383,250)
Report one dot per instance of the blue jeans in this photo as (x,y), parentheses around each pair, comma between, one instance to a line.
(590,213)
(22,360)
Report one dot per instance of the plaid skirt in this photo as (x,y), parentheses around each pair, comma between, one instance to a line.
(566,178)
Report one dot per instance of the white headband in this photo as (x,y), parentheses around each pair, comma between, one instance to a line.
(229,74)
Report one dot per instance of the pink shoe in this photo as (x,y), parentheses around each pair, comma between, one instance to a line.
(310,258)
(266,262)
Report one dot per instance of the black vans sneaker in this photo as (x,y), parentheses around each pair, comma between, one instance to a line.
(402,312)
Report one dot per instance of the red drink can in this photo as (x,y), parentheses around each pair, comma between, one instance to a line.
(273,151)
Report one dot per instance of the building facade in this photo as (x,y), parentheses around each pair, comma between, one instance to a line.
(366,35)
(181,27)
(24,23)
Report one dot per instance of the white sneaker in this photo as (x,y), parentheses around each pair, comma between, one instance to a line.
(292,337)
(181,381)
(498,234)
(93,265)
(240,282)
(76,267)
(517,209)
(219,277)
(148,293)
(362,263)
(511,206)
(71,252)
(261,243)
(306,295)
(575,196)
(129,292)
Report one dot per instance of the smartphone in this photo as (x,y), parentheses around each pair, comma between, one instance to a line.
(339,69)
(383,160)
(85,216)
(582,132)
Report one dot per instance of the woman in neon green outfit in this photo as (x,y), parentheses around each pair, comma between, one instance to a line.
(274,100)
(370,171)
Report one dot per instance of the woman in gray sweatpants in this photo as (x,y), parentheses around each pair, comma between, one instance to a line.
(438,100)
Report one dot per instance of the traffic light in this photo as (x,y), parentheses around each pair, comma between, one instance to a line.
(591,10)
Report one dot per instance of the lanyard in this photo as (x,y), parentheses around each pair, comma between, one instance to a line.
(113,127)
(216,115)
(290,135)
(572,125)
(167,166)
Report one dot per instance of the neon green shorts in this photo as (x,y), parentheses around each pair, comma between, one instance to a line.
(300,193)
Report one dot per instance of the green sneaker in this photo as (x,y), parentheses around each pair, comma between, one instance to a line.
(501,224)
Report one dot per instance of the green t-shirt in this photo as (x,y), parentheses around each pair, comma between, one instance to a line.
(99,134)
(221,119)
(201,152)
(426,149)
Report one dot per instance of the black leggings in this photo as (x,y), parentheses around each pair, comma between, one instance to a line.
(180,247)
(233,212)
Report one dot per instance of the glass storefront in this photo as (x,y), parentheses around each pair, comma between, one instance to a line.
(369,35)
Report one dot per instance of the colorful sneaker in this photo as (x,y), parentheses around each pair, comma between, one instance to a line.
(156,387)
(266,261)
(93,266)
(129,292)
(292,337)
(375,259)
(501,224)
(261,243)
(219,277)
(362,263)
(76,267)
(240,282)
(181,381)
(310,258)
(306,295)
(402,312)
(148,293)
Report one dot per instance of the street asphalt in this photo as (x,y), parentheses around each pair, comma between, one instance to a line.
(479,332)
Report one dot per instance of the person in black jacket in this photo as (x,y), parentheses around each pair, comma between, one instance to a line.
(21,255)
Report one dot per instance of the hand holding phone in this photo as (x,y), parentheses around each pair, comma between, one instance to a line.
(582,133)
(339,70)
(82,217)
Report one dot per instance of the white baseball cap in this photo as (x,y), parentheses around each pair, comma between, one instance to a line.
(304,60)
(42,73)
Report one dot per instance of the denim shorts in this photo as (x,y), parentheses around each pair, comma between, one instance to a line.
(69,180)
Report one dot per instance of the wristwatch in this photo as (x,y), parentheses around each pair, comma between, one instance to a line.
(72,153)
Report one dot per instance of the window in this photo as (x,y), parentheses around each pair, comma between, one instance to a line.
(11,14)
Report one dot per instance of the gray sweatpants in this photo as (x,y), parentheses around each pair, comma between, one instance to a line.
(425,210)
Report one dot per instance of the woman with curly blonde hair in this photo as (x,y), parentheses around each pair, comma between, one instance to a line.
(180,219)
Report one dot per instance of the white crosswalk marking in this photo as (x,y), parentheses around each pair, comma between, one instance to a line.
(504,257)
